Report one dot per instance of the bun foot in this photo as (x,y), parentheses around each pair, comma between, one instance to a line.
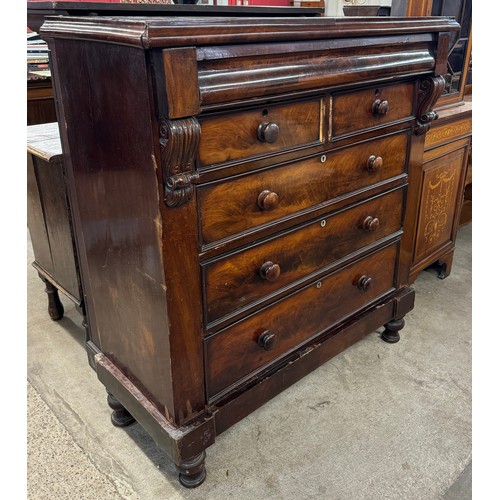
(120,416)
(391,332)
(192,472)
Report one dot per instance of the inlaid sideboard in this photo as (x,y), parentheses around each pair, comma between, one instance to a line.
(238,188)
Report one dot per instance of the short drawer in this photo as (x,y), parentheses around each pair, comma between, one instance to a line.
(255,132)
(250,345)
(233,206)
(371,107)
(240,279)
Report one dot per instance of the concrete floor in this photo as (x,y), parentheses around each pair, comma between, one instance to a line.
(378,421)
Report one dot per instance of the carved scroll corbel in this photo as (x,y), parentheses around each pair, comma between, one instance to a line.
(430,90)
(179,140)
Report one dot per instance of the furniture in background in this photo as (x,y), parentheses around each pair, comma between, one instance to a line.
(49,219)
(238,203)
(37,11)
(440,193)
(40,102)
(436,208)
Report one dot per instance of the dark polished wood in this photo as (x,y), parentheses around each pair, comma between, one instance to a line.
(238,202)
(41,107)
(49,219)
(120,416)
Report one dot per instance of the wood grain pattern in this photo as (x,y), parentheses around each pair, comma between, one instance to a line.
(233,136)
(181,31)
(234,353)
(300,70)
(49,219)
(181,82)
(235,281)
(289,168)
(115,195)
(230,207)
(354,111)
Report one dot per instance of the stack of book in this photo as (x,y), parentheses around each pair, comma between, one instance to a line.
(37,57)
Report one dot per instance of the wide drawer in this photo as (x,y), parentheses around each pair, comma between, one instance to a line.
(268,129)
(233,206)
(371,107)
(252,344)
(234,282)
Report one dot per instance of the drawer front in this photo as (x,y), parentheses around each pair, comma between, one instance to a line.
(233,206)
(254,343)
(268,129)
(372,107)
(236,281)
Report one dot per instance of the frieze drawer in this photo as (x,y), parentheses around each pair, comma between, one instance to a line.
(263,130)
(371,107)
(235,282)
(238,186)
(233,206)
(250,345)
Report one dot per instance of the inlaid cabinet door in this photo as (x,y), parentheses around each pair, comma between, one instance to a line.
(442,185)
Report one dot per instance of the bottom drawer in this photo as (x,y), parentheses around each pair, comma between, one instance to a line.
(252,344)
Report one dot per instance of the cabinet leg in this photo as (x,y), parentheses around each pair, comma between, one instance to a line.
(444,265)
(120,416)
(391,332)
(56,309)
(192,472)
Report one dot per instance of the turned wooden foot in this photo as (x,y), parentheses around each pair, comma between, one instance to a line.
(192,472)
(120,416)
(56,309)
(391,332)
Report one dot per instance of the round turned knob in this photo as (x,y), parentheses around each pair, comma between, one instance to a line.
(374,163)
(380,108)
(270,271)
(268,132)
(371,224)
(364,283)
(267,340)
(267,200)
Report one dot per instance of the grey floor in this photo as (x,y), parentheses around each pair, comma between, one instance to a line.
(378,421)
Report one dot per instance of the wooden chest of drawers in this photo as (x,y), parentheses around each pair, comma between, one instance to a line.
(238,188)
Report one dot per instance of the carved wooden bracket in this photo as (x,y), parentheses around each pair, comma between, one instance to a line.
(430,90)
(179,140)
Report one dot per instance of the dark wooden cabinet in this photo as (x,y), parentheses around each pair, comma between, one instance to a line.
(239,188)
(49,219)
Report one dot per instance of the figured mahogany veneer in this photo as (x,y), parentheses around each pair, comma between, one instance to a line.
(235,352)
(266,129)
(238,188)
(234,282)
(372,107)
(232,206)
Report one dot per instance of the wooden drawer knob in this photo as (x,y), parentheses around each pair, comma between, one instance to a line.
(371,224)
(267,340)
(364,283)
(374,163)
(267,200)
(380,108)
(268,132)
(270,271)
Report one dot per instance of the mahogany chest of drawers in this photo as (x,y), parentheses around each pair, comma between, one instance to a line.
(238,189)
